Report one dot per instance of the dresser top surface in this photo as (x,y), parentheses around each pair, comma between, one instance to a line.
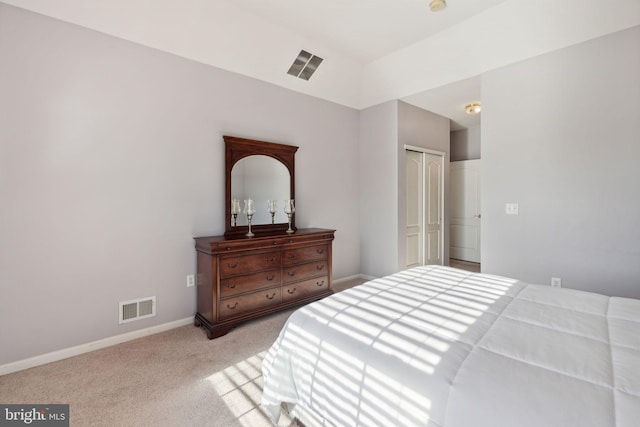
(300,233)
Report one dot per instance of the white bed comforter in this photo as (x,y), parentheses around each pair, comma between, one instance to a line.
(435,346)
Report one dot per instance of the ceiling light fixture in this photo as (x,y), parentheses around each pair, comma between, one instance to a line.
(437,5)
(474,108)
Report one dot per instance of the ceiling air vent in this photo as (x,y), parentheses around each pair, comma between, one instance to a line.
(304,65)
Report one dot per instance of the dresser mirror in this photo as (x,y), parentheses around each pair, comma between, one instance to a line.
(261,171)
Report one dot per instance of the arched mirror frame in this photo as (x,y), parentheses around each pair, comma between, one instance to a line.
(237,149)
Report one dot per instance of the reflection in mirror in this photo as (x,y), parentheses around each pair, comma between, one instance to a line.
(268,173)
(261,178)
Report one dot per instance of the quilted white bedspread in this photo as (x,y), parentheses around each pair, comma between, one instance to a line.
(435,346)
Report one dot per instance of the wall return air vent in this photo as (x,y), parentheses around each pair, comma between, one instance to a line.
(304,65)
(137,309)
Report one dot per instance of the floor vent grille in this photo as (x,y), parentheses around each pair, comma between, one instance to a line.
(137,309)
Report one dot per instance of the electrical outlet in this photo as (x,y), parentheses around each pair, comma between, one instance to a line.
(556,282)
(191,281)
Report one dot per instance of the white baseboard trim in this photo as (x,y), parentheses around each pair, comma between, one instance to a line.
(65,353)
(355,276)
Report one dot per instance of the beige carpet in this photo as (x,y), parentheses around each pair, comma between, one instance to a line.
(175,378)
(474,267)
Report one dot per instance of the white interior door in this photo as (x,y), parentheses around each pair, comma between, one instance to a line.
(465,220)
(424,225)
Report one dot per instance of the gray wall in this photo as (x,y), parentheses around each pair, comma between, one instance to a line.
(112,160)
(378,180)
(560,137)
(465,144)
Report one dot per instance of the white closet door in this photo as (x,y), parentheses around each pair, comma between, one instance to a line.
(415,192)
(424,225)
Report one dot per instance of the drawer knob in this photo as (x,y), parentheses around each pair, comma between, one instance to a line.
(291,291)
(234,306)
(234,265)
(292,256)
(272,296)
(320,283)
(231,285)
(270,278)
(320,251)
(275,243)
(271,259)
(228,248)
(291,273)
(319,266)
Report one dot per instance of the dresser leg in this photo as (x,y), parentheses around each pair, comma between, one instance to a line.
(212,330)
(218,331)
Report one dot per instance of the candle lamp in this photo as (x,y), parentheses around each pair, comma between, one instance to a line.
(289,209)
(272,208)
(249,210)
(235,210)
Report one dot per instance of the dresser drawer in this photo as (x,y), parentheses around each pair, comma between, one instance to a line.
(305,288)
(302,255)
(237,306)
(249,282)
(234,266)
(304,271)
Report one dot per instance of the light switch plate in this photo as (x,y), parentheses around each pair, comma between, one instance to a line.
(511,209)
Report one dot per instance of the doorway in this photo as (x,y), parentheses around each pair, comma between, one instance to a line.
(425,208)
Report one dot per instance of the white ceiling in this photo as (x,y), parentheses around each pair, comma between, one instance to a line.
(374,50)
(364,29)
(450,100)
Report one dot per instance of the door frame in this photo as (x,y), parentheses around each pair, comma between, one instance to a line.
(442,154)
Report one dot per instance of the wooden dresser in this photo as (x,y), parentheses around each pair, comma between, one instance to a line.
(243,278)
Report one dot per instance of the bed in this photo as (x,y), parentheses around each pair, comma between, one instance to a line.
(436,346)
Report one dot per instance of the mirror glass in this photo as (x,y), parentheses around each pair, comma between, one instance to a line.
(261,178)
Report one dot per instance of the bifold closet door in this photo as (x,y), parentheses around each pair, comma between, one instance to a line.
(424,225)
